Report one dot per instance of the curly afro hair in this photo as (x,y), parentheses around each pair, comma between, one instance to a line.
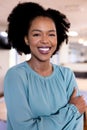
(19,22)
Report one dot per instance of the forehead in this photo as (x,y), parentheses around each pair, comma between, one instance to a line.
(42,17)
(41,21)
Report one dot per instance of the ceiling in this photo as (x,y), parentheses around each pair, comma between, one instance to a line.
(76,11)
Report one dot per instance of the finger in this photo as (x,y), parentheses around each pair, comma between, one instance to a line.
(74,93)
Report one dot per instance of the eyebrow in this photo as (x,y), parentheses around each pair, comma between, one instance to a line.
(40,30)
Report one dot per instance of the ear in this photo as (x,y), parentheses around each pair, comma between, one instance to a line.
(26,40)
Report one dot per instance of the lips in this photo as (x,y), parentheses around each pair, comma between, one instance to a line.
(44,50)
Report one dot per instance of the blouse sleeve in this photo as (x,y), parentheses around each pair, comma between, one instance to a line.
(20,115)
(70,81)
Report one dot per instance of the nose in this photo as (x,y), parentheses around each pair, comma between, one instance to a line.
(44,38)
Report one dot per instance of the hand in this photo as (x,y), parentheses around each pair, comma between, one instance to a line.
(79,102)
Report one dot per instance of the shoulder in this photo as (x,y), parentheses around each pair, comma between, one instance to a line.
(18,67)
(63,70)
(17,70)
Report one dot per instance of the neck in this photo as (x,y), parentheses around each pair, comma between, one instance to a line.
(42,68)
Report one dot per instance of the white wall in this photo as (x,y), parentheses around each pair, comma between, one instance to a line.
(4,65)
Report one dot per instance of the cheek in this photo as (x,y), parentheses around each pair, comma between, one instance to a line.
(33,41)
(54,42)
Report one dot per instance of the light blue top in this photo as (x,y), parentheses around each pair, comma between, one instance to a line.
(36,102)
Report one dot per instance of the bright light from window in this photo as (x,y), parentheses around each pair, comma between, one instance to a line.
(4,34)
(72,33)
(12,57)
(81,41)
(85,43)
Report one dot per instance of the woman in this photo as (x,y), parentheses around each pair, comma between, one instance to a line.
(40,95)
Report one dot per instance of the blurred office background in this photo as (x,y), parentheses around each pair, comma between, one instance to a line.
(73,55)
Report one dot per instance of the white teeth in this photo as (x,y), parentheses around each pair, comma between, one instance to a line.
(44,49)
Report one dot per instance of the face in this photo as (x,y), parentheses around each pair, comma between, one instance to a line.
(42,38)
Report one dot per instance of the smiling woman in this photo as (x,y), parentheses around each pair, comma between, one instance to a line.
(46,95)
(41,39)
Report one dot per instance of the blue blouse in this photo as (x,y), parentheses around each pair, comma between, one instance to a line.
(35,102)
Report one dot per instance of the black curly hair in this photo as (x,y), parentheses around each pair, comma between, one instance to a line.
(19,22)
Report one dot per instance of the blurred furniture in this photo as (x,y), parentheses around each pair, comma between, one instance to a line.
(3,113)
(80,74)
(3,125)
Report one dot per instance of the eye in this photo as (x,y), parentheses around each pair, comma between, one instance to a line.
(52,34)
(36,34)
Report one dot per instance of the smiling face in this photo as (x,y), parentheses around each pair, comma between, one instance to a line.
(42,38)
